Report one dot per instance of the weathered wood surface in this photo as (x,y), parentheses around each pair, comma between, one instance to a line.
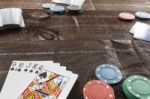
(85,41)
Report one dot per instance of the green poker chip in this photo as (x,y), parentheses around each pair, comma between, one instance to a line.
(137,87)
(127,93)
(48,5)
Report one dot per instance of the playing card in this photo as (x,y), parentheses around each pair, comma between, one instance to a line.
(50,85)
(70,2)
(141,31)
(27,76)
(12,78)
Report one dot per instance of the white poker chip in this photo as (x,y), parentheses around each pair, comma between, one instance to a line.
(58,9)
(142,15)
(74,8)
(48,5)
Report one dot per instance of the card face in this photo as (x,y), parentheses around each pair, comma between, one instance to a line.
(49,85)
(45,85)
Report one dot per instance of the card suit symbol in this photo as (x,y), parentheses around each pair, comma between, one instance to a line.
(12,69)
(43,75)
(26,70)
(19,70)
(31,71)
(37,72)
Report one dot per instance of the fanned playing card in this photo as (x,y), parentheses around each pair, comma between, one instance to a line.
(50,85)
(141,31)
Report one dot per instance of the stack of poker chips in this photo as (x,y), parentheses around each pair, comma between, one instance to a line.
(100,89)
(137,87)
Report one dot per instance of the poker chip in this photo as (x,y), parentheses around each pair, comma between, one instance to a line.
(129,96)
(137,87)
(108,73)
(126,16)
(142,15)
(57,9)
(72,9)
(48,5)
(97,89)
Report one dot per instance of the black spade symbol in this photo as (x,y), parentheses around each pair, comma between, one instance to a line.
(43,75)
(37,72)
(31,71)
(12,69)
(19,70)
(26,70)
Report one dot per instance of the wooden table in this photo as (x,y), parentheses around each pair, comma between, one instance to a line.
(83,42)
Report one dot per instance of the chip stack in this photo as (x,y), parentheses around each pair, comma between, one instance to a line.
(137,87)
(97,89)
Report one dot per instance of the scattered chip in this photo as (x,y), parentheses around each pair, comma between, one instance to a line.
(137,87)
(108,73)
(97,89)
(74,8)
(126,16)
(142,15)
(58,9)
(48,5)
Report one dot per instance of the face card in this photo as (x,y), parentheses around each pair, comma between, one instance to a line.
(26,76)
(50,85)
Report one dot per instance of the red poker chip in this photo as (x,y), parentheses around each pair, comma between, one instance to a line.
(97,89)
(126,16)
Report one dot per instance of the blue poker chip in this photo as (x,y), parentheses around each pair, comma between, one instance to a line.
(57,9)
(108,73)
(142,15)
